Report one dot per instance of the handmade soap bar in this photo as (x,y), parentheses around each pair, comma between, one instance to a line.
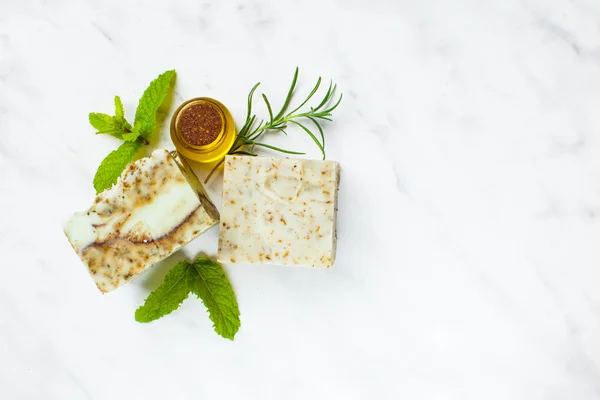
(156,206)
(279,211)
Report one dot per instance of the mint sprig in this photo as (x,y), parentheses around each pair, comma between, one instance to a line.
(207,280)
(134,136)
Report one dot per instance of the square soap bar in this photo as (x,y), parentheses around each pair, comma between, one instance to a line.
(279,211)
(157,206)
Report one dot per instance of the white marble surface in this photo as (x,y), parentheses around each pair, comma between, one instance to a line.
(468,258)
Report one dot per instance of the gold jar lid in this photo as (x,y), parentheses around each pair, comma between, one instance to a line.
(202,130)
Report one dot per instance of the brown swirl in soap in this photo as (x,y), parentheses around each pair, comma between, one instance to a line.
(120,258)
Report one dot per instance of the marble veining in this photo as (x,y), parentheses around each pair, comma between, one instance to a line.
(467,260)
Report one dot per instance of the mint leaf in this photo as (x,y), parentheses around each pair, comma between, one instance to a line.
(111,167)
(115,126)
(121,122)
(130,136)
(119,111)
(168,296)
(208,281)
(151,100)
(102,122)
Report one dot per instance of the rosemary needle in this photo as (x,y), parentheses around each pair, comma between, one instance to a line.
(248,137)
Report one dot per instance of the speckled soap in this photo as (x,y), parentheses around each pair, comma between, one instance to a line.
(157,206)
(279,211)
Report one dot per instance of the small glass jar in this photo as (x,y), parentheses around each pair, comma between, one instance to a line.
(213,151)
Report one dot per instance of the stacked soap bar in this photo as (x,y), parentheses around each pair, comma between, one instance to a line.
(279,211)
(157,206)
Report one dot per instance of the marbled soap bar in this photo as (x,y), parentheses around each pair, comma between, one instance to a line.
(157,206)
(279,211)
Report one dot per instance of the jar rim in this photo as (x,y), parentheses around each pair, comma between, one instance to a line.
(216,149)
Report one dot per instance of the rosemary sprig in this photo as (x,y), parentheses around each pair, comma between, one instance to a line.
(248,137)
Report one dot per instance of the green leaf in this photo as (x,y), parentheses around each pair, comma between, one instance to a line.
(312,92)
(250,95)
(206,279)
(131,136)
(124,125)
(330,109)
(112,166)
(327,96)
(115,126)
(288,98)
(119,112)
(268,107)
(168,296)
(102,122)
(247,127)
(268,146)
(312,136)
(150,102)
(209,283)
